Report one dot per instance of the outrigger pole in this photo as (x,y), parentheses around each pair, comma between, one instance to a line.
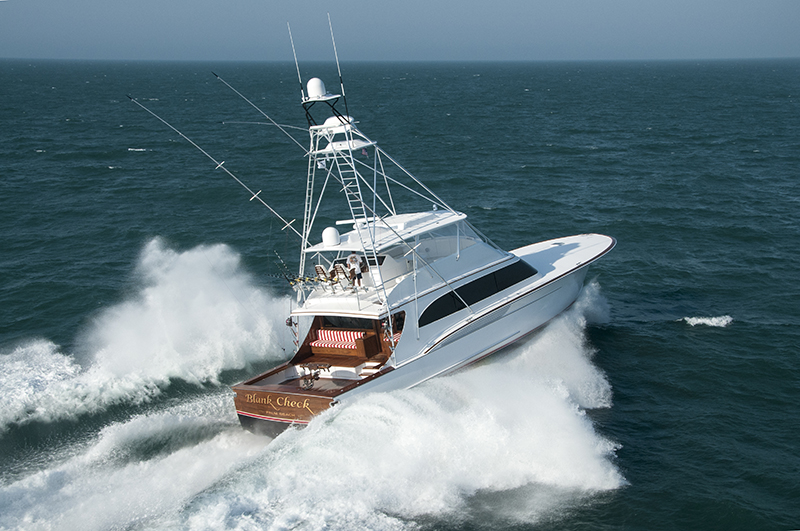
(276,124)
(254,195)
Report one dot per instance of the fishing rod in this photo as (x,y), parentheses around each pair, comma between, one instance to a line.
(254,195)
(286,273)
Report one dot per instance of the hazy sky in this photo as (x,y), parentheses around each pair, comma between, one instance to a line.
(400,30)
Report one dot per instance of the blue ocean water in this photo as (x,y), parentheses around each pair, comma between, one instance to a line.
(137,283)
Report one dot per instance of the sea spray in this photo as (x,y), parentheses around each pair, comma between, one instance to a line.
(512,429)
(29,372)
(389,459)
(117,481)
(194,315)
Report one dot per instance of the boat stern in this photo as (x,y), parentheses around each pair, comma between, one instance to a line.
(269,412)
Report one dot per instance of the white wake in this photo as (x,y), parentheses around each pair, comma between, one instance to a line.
(513,430)
(194,315)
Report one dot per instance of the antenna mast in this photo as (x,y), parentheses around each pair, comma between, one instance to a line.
(336,54)
(300,79)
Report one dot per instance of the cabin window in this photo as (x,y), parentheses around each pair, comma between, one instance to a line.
(513,274)
(479,289)
(440,308)
(476,291)
(445,241)
(371,260)
(337,321)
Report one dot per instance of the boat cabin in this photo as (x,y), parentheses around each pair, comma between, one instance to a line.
(402,244)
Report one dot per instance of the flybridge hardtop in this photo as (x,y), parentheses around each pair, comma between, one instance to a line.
(387,232)
(386,298)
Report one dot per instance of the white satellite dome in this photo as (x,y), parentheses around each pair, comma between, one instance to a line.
(333,121)
(330,237)
(315,88)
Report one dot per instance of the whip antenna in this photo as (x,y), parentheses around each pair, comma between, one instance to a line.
(336,54)
(296,65)
(254,195)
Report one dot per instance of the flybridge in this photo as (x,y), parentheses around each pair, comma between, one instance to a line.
(345,159)
(389,231)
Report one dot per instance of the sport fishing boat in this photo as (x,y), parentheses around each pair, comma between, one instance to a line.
(388,298)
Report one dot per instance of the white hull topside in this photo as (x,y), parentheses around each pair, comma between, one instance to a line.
(465,338)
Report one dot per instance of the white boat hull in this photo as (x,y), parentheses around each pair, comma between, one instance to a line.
(469,335)
(481,337)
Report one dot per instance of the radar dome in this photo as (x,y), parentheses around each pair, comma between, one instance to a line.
(333,121)
(330,237)
(316,88)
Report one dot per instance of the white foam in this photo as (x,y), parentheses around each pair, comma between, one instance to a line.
(721,321)
(195,315)
(517,424)
(513,430)
(26,373)
(105,487)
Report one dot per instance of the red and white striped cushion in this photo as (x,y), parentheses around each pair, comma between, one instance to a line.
(339,336)
(332,344)
(328,338)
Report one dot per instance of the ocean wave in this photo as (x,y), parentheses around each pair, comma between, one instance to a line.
(508,439)
(516,425)
(721,321)
(117,481)
(195,314)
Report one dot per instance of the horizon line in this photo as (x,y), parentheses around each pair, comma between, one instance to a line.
(405,61)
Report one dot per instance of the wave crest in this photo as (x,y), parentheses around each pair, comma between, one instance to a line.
(516,426)
(721,321)
(508,440)
(195,314)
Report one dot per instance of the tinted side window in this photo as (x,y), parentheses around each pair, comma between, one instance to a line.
(476,291)
(440,308)
(479,289)
(510,275)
